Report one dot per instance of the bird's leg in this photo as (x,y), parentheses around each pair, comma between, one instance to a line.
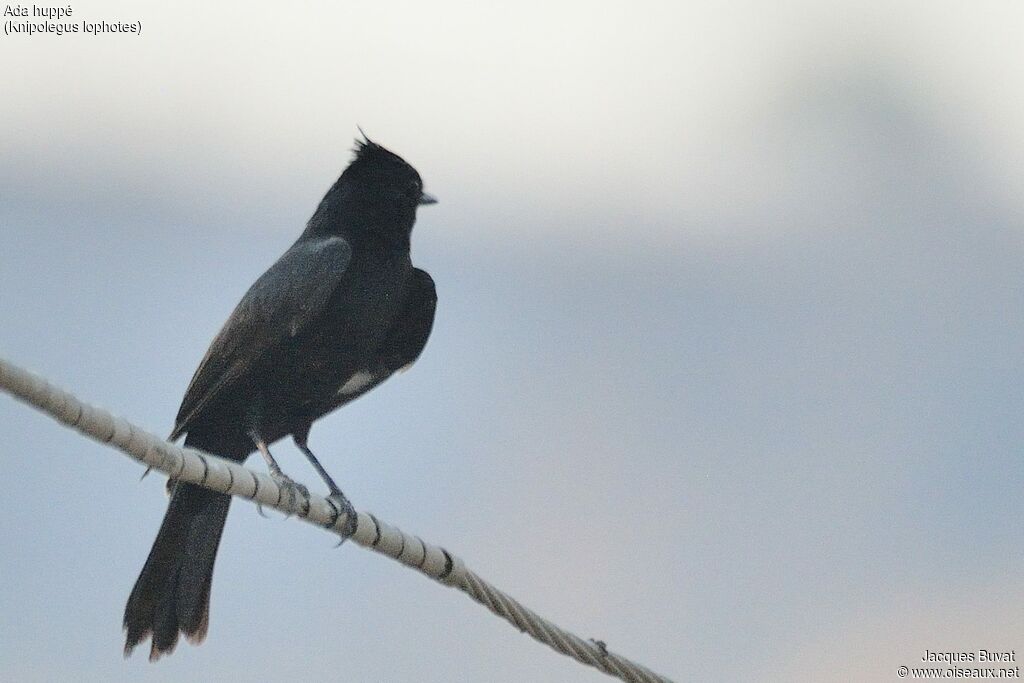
(284,482)
(336,497)
(320,469)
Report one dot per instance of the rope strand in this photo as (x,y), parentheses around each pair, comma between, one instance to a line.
(212,472)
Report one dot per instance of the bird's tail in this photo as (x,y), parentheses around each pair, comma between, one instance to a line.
(172,594)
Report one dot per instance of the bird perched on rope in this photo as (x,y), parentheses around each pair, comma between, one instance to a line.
(341,311)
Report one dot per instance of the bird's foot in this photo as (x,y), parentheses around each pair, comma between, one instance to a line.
(342,506)
(294,492)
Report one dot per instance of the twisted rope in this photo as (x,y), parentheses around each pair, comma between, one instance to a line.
(212,472)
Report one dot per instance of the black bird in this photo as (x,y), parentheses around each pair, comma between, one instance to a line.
(341,311)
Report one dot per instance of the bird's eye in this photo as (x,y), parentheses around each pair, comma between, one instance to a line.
(408,193)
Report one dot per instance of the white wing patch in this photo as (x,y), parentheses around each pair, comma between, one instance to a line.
(356,383)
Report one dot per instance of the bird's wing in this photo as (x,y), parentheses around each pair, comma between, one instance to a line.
(278,306)
(402,345)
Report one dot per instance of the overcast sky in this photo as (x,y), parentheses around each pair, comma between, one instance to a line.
(726,369)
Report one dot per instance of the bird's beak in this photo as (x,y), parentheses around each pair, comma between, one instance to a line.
(427,199)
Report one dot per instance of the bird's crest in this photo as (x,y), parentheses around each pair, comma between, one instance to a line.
(365,147)
(368,150)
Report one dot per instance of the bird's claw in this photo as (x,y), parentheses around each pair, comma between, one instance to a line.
(294,491)
(343,506)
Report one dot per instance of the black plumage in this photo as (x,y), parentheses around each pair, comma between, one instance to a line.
(341,311)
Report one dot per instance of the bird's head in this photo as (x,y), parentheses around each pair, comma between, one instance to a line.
(378,192)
